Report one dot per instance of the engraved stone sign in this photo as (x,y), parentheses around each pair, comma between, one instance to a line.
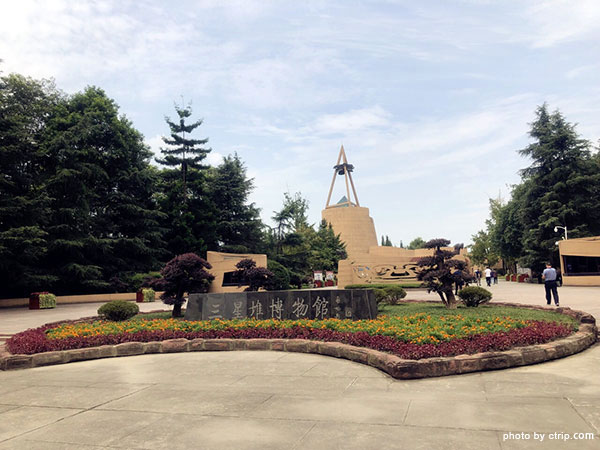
(298,305)
(235,305)
(280,305)
(214,308)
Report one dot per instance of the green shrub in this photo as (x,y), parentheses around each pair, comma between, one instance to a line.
(473,296)
(149,294)
(118,310)
(47,301)
(382,286)
(136,280)
(380,296)
(394,294)
(389,295)
(281,278)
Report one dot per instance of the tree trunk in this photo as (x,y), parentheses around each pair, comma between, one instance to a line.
(450,299)
(177,309)
(441,294)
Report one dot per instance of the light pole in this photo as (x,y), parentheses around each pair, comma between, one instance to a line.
(563,228)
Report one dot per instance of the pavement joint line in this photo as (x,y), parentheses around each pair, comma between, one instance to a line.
(41,426)
(406,412)
(350,385)
(591,425)
(303,437)
(309,369)
(61,442)
(40,406)
(80,411)
(498,433)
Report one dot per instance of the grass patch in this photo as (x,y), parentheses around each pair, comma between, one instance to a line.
(155,315)
(483,312)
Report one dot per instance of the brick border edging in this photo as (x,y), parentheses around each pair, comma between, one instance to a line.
(391,364)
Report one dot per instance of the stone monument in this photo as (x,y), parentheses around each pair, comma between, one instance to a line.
(367,262)
(352,304)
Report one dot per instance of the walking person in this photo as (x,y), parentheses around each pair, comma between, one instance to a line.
(458,281)
(549,275)
(488,276)
(478,277)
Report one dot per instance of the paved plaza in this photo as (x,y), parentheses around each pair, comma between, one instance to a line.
(272,400)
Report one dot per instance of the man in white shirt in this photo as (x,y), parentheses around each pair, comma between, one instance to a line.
(488,276)
(549,275)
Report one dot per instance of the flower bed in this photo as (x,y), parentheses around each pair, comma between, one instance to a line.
(410,337)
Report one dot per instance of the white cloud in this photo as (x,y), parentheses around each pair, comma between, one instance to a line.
(558,21)
(427,100)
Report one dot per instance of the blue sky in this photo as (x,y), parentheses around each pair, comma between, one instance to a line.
(430,99)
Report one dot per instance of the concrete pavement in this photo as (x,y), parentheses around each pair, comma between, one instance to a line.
(271,400)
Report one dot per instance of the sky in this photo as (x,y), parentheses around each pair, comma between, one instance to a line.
(431,99)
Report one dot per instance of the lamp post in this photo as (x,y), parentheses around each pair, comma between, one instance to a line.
(562,228)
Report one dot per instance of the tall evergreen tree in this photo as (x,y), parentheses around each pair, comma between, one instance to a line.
(482,252)
(291,237)
(103,220)
(238,224)
(183,151)
(326,248)
(562,187)
(25,107)
(184,191)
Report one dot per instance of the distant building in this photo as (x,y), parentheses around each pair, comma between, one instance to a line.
(225,272)
(580,261)
(367,262)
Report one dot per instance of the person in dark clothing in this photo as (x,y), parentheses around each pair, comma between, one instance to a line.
(478,277)
(458,281)
(550,285)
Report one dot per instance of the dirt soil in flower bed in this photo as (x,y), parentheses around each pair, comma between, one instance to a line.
(410,331)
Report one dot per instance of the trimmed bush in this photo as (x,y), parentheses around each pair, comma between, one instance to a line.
(390,295)
(473,296)
(380,296)
(149,294)
(118,310)
(394,294)
(47,301)
(281,276)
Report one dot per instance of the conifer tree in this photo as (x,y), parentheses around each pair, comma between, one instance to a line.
(103,220)
(561,187)
(238,224)
(25,107)
(183,151)
(184,191)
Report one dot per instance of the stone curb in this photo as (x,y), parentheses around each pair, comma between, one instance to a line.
(393,365)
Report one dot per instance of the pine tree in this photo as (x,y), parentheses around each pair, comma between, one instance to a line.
(238,225)
(183,151)
(25,107)
(562,187)
(326,248)
(184,189)
(103,222)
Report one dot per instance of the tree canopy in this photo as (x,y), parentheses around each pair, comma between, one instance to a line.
(561,187)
